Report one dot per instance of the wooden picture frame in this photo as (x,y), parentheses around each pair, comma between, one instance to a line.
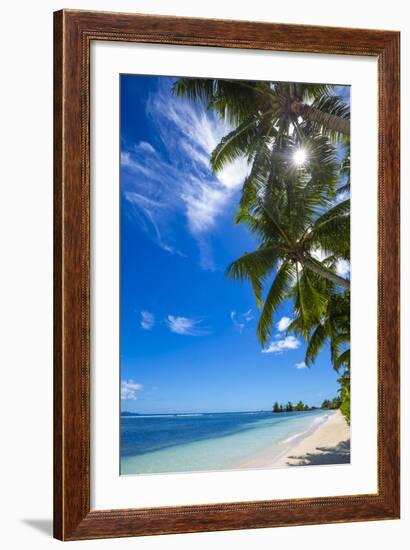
(74,32)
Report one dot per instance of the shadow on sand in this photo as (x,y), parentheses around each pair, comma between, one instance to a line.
(340,454)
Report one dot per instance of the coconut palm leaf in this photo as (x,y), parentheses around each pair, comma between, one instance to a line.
(275,296)
(316,343)
(310,302)
(235,144)
(236,100)
(254,266)
(256,182)
(329,115)
(233,100)
(316,91)
(331,231)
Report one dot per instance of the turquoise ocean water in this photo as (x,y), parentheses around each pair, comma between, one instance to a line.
(209,441)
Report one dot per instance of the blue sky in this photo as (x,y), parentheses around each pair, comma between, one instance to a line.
(188,334)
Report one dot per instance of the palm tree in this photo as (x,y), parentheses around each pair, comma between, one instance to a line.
(331,325)
(344,382)
(285,102)
(292,214)
(263,111)
(268,131)
(286,206)
(299,214)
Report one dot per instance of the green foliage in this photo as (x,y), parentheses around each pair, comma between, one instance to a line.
(235,144)
(344,382)
(254,266)
(276,407)
(289,407)
(276,294)
(331,404)
(299,214)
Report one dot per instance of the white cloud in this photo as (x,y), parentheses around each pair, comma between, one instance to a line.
(287,343)
(188,127)
(185,326)
(129,161)
(206,259)
(147,320)
(204,201)
(283,323)
(248,315)
(147,210)
(141,200)
(129,390)
(197,132)
(184,185)
(197,155)
(343,268)
(145,146)
(301,365)
(241,319)
(319,254)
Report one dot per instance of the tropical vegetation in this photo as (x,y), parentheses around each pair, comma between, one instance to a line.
(295,201)
(290,407)
(328,404)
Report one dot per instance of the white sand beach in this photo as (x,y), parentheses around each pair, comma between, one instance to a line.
(327,444)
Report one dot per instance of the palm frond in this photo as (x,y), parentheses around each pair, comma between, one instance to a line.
(310,301)
(342,359)
(233,100)
(333,106)
(276,294)
(254,266)
(315,343)
(199,89)
(331,231)
(235,144)
(316,91)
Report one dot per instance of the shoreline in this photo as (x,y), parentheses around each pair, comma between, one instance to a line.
(328,443)
(323,440)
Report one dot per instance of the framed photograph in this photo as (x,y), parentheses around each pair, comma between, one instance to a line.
(226,275)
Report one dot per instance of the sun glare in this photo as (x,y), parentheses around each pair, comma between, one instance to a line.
(299,157)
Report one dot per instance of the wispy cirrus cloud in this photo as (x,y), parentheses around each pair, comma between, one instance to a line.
(147,320)
(180,180)
(284,344)
(301,365)
(240,320)
(144,209)
(129,390)
(197,132)
(186,326)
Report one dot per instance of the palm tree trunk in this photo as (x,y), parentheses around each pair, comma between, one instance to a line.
(320,270)
(331,122)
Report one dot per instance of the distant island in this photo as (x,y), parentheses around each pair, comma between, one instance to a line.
(328,404)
